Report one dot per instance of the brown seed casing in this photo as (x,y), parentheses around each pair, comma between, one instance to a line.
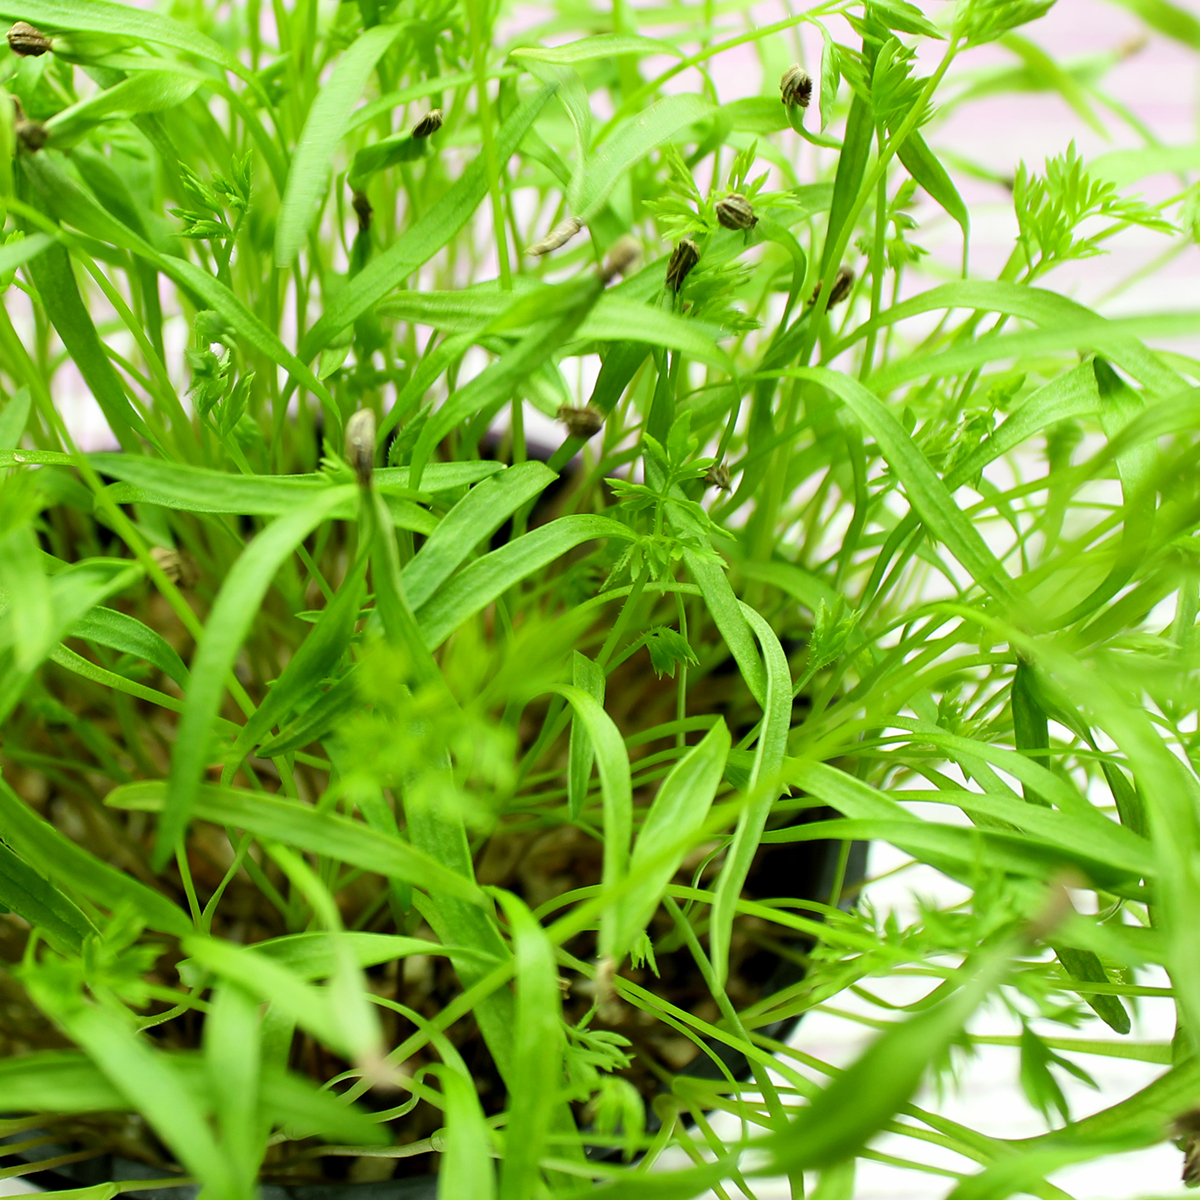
(621,259)
(1186,1130)
(27,41)
(683,258)
(582,422)
(31,135)
(180,569)
(560,235)
(718,476)
(169,562)
(428,125)
(843,281)
(736,212)
(362,210)
(360,444)
(796,87)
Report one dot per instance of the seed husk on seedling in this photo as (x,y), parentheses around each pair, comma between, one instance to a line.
(428,125)
(843,281)
(736,212)
(560,235)
(360,445)
(26,41)
(796,87)
(583,421)
(683,258)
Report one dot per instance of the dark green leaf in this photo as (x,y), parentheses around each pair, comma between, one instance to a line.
(25,892)
(58,858)
(442,220)
(323,129)
(307,829)
(228,624)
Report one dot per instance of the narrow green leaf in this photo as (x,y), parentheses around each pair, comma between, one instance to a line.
(54,279)
(479,583)
(439,831)
(631,141)
(56,1081)
(305,828)
(145,1076)
(923,165)
(493,386)
(1167,18)
(612,765)
(836,1183)
(1173,1092)
(56,857)
(469,523)
(233,1056)
(603,45)
(86,669)
(204,490)
(323,130)
(311,955)
(391,604)
(127,635)
(229,622)
(269,980)
(860,1100)
(1066,321)
(29,610)
(321,716)
(572,94)
(466,1167)
(379,156)
(1053,77)
(1123,167)
(1031,730)
(1072,394)
(14,417)
(315,658)
(27,894)
(672,824)
(1020,1174)
(305,1110)
(1056,828)
(66,1081)
(958,852)
(1130,806)
(763,790)
(617,318)
(730,619)
(1085,965)
(120,20)
(17,254)
(62,196)
(923,489)
(852,169)
(830,76)
(588,677)
(145,92)
(442,220)
(537,1052)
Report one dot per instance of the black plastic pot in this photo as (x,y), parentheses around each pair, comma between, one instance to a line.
(804,870)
